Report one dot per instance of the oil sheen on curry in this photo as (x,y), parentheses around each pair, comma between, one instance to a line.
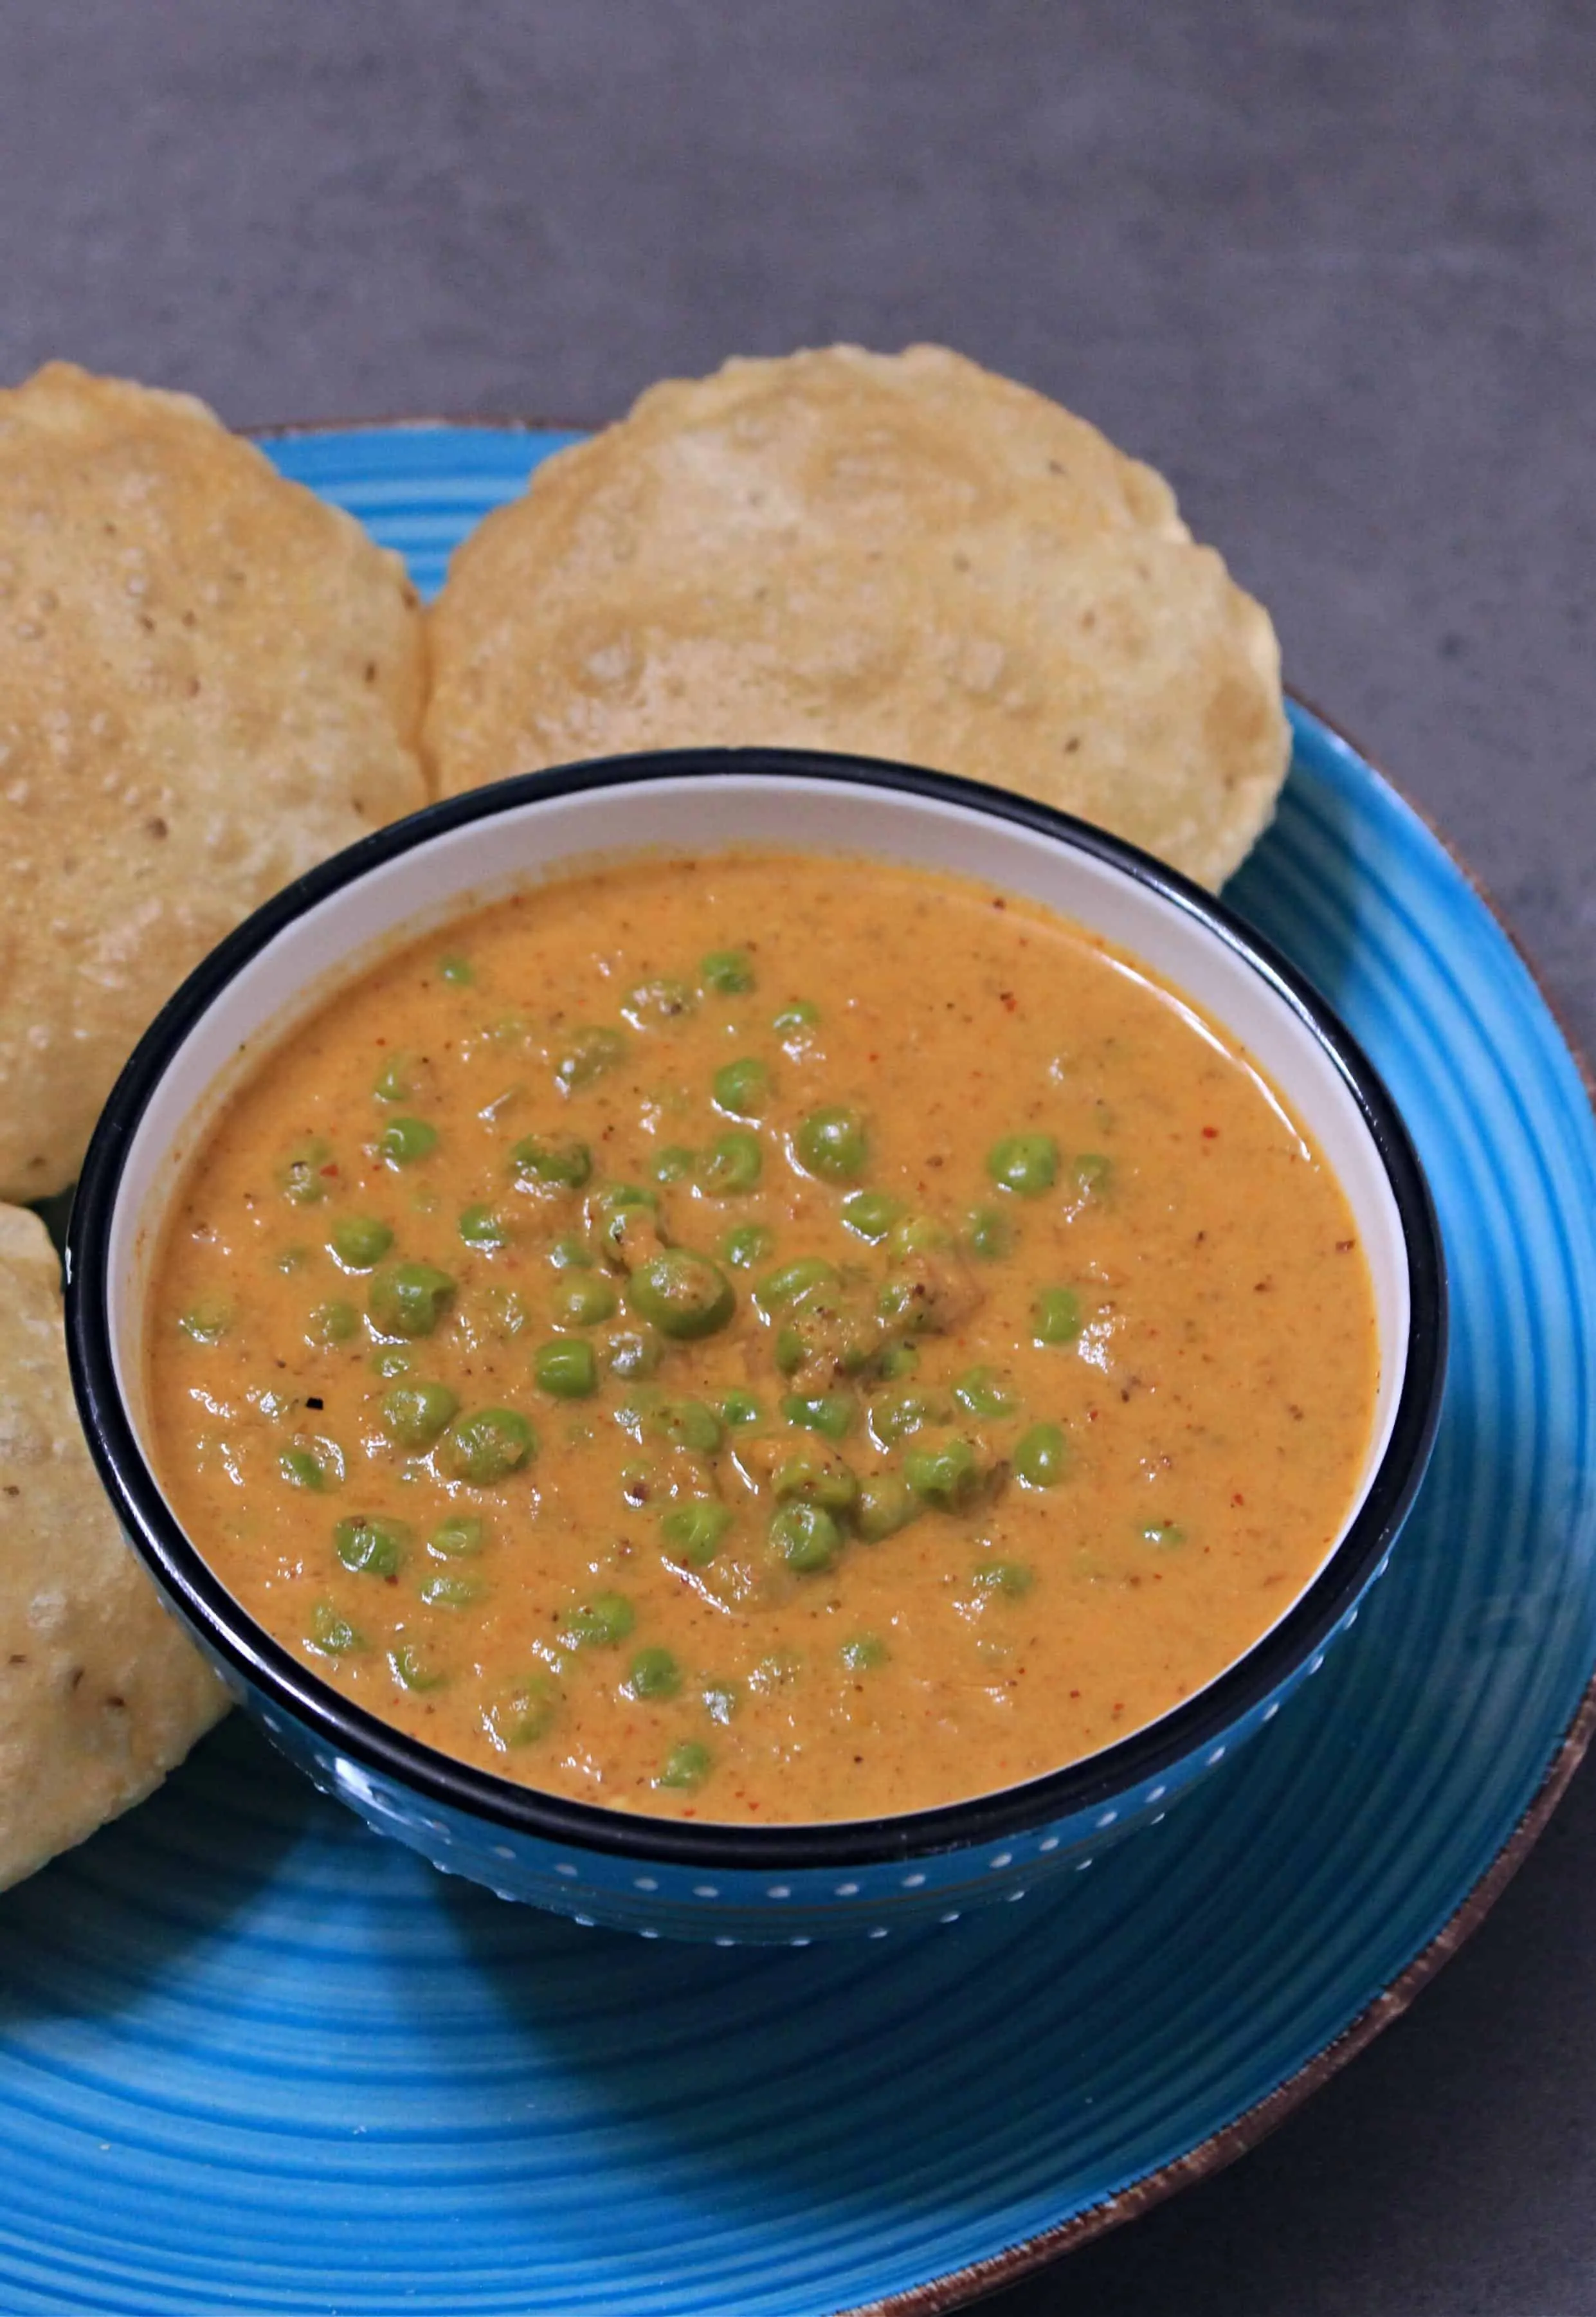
(763,1339)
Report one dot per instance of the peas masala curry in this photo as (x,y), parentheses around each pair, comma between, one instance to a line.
(763,1339)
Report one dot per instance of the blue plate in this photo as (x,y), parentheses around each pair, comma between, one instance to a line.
(253,2059)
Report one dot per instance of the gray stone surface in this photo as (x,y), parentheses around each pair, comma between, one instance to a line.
(1330,267)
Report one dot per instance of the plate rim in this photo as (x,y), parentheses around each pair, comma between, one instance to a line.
(955,2289)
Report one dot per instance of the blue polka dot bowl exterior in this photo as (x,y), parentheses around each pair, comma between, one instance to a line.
(673,1878)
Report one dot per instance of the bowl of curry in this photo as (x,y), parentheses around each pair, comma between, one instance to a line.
(755,1346)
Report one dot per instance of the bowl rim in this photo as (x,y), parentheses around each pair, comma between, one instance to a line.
(377,1747)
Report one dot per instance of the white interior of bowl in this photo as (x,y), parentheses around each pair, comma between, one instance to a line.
(468,867)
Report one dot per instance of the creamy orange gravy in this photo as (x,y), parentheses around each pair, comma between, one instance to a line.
(1086,1427)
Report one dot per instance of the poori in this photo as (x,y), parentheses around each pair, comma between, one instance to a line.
(101,1692)
(898,556)
(209,679)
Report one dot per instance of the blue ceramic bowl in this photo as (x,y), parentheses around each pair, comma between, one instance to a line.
(661,1877)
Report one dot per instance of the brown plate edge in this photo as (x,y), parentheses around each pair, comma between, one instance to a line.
(957,2288)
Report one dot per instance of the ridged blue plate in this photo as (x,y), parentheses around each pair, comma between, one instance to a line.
(253,2059)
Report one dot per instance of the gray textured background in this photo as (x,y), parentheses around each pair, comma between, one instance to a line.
(1330,267)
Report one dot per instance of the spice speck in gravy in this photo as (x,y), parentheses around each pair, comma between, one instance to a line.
(771,1339)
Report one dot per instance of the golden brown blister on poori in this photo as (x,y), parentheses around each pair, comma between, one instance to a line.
(209,679)
(101,1694)
(903,556)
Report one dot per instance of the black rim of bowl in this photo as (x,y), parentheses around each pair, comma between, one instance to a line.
(376,1745)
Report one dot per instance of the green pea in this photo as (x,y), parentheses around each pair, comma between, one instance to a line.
(406,1142)
(895,1415)
(654,1673)
(870,1215)
(886,1504)
(413,1668)
(600,1622)
(488,1446)
(832,1144)
(687,1764)
(1092,1173)
(675,1163)
(292,1259)
(391,1360)
(695,1532)
(946,1473)
(729,972)
(740,1408)
(207,1321)
(989,1233)
(731,1165)
(331,1323)
(655,1005)
(780,1288)
(632,1352)
(814,1476)
(1025,1164)
(314,1464)
(742,1088)
(685,1424)
(460,1537)
(445,1591)
(458,971)
(527,1711)
(507,1313)
(304,1173)
(795,1018)
(1163,1533)
(585,1300)
(721,1700)
(394,1082)
(333,1634)
(615,1214)
(372,1548)
(1041,1456)
(1055,1315)
(409,1298)
(897,1360)
(915,1302)
(896,1303)
(481,1227)
(829,1413)
(360,1242)
(570,1255)
(805,1537)
(913,1235)
(979,1391)
(1010,1577)
(557,1161)
(568,1370)
(684,1295)
(747,1245)
(414,1415)
(588,1055)
(862,1652)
